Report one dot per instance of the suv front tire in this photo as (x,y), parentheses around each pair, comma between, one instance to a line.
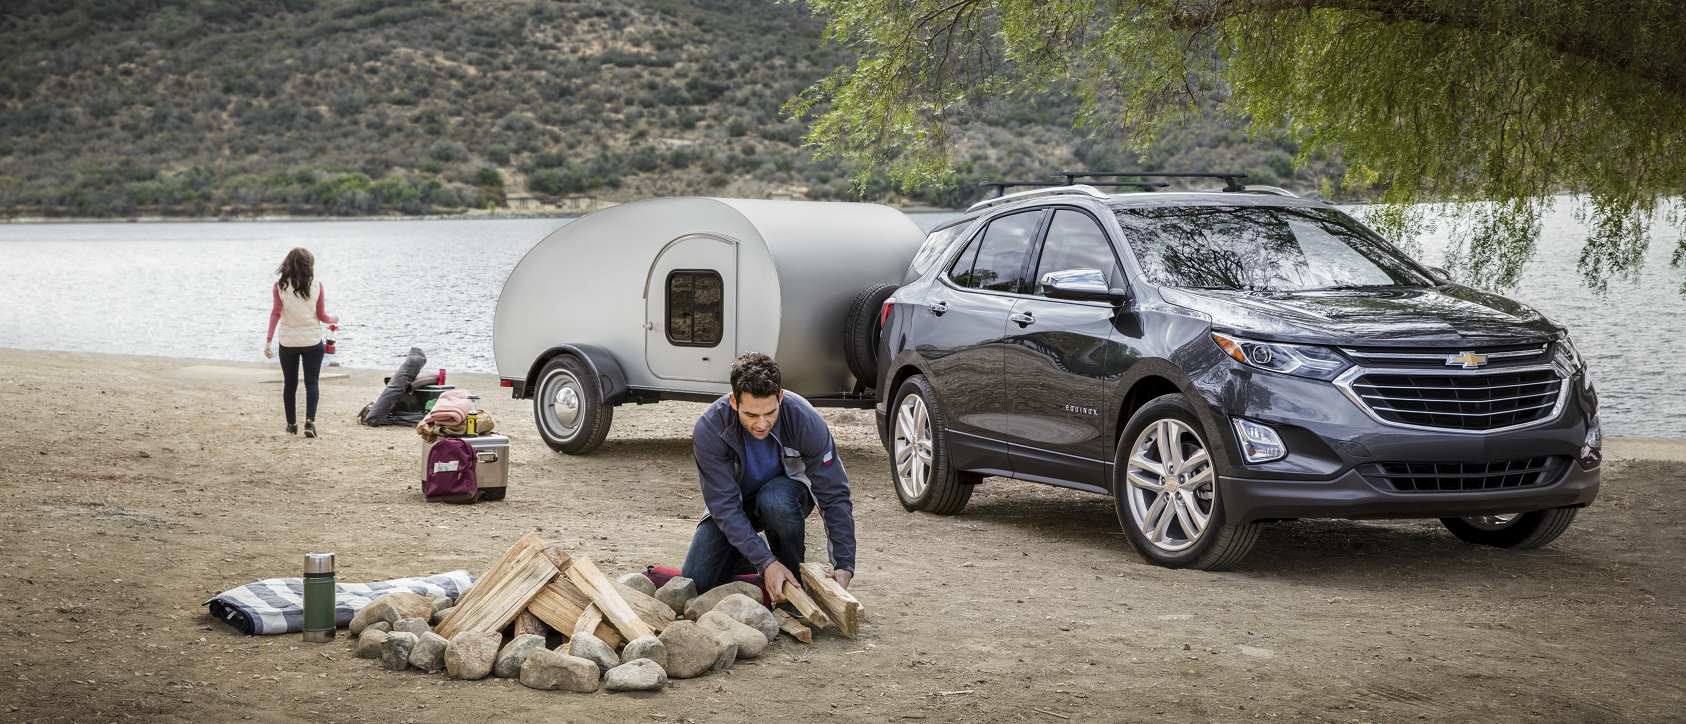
(1166,491)
(919,453)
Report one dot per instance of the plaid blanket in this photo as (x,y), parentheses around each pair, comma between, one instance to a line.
(276,606)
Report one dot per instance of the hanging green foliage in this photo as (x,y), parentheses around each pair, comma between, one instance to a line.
(1473,112)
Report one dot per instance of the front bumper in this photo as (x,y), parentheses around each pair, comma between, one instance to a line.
(1351,496)
(1329,437)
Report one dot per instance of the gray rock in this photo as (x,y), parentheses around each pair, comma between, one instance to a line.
(676,592)
(514,654)
(750,641)
(429,652)
(390,616)
(749,612)
(587,646)
(727,655)
(636,675)
(439,600)
(690,649)
(638,582)
(696,607)
(417,626)
(396,648)
(471,654)
(369,644)
(379,626)
(550,670)
(646,647)
(390,607)
(438,616)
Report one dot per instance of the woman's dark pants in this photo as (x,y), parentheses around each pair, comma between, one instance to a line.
(777,509)
(290,359)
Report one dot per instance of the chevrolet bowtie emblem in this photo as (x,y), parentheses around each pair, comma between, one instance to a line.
(1469,360)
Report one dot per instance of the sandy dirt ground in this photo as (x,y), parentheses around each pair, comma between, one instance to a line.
(129,499)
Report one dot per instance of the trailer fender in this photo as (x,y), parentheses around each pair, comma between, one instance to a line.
(611,381)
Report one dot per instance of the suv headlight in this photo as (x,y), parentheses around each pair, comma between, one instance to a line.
(1300,360)
(1570,360)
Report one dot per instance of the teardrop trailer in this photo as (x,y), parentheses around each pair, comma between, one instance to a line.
(652,300)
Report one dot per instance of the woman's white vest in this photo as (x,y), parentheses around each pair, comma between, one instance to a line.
(299,326)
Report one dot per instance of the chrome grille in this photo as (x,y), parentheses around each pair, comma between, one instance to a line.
(1508,355)
(1451,477)
(1470,402)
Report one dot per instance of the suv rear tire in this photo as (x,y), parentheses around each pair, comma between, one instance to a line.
(919,453)
(569,408)
(1173,514)
(1520,531)
(861,329)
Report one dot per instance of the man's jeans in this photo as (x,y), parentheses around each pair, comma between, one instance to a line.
(778,509)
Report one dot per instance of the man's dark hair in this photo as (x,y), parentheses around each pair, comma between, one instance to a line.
(756,374)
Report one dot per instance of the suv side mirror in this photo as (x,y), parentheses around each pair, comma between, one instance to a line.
(1083,285)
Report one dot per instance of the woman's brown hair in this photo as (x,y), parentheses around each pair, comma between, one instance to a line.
(296,272)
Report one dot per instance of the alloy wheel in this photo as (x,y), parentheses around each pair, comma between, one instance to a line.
(1492,522)
(913,447)
(1172,485)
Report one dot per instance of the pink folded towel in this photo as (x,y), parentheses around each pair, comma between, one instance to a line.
(451,409)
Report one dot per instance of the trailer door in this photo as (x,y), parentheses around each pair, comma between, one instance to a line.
(691,310)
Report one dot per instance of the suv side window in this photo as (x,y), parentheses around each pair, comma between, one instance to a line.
(995,260)
(1076,242)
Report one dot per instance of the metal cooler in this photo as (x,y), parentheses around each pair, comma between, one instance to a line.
(491,471)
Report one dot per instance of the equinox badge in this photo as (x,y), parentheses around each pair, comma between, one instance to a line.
(1469,360)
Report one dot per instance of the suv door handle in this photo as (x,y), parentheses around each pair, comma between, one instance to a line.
(1024,319)
(938,308)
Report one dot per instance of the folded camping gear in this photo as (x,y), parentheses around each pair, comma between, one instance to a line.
(276,605)
(380,411)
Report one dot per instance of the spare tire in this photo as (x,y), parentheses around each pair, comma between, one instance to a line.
(860,332)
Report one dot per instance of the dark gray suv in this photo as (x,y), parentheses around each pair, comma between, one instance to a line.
(1218,360)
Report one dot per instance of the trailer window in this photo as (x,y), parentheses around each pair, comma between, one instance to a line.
(695,308)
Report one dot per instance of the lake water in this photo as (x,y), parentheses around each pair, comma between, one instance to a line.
(202,290)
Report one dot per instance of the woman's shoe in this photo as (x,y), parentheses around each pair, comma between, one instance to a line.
(310,429)
(292,429)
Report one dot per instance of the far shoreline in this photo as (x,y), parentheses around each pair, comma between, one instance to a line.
(467,215)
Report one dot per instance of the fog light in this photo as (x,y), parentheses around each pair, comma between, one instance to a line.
(1259,443)
(1593,449)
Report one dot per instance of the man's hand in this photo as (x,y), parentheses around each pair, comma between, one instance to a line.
(841,577)
(267,352)
(774,578)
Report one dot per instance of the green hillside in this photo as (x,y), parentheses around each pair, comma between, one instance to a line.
(118,108)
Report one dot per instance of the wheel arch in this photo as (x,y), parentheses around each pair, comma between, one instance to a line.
(611,380)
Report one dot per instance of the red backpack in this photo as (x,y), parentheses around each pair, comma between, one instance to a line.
(450,472)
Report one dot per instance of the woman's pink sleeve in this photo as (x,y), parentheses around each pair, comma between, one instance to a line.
(274,314)
(321,305)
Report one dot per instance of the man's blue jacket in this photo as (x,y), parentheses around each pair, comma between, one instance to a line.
(810,458)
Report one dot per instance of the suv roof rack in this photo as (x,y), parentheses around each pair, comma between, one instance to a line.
(1057,190)
(1229,177)
(1002,186)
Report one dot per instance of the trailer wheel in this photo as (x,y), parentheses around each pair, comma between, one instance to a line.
(568,407)
(860,332)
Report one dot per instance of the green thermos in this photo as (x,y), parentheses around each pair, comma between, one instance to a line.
(318,597)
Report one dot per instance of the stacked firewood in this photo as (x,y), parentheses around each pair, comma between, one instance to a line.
(624,635)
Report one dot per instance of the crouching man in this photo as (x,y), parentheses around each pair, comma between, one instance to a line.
(765,457)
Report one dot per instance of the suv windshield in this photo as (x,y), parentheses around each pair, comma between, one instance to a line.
(1277,249)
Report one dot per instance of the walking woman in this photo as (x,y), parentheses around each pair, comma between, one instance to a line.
(299,310)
